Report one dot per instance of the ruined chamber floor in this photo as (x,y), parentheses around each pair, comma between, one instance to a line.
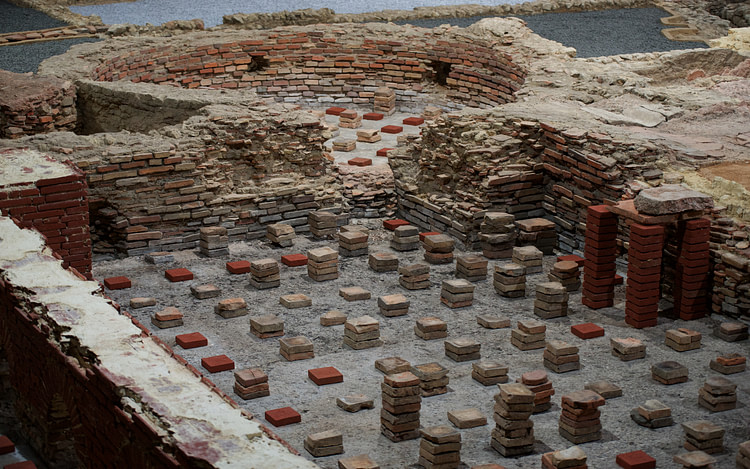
(290,385)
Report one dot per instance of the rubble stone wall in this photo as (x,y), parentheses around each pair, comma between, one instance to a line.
(33,104)
(342,65)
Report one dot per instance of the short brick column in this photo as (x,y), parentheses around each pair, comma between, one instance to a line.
(691,283)
(600,254)
(644,275)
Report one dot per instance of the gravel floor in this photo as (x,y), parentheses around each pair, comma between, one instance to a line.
(14,18)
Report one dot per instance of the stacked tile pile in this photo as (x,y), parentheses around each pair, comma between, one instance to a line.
(402,399)
(431,328)
(361,461)
(652,414)
(265,273)
(457,293)
(353,243)
(362,332)
(440,448)
(280,234)
(579,420)
(530,335)
(332,318)
(369,135)
(692,276)
(570,458)
(566,273)
(489,321)
(628,349)
(325,443)
(393,305)
(695,460)
(203,292)
(561,357)
(669,372)
(296,348)
(718,394)
(251,383)
(682,339)
(405,238)
(529,257)
(497,235)
(414,276)
(322,264)
(168,317)
(538,232)
(344,144)
(509,280)
(354,293)
(703,435)
(431,113)
(350,119)
(392,365)
(438,249)
(471,267)
(322,223)
(231,308)
(214,241)
(513,434)
(644,275)
(538,382)
(600,252)
(743,455)
(433,378)
(604,388)
(266,326)
(383,262)
(732,331)
(462,349)
(384,101)
(729,363)
(489,372)
(551,300)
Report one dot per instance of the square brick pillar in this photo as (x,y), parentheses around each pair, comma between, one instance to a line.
(600,254)
(691,283)
(644,275)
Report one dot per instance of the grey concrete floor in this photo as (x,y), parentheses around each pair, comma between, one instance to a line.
(290,385)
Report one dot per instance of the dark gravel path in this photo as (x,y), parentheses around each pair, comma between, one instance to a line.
(14,19)
(596,33)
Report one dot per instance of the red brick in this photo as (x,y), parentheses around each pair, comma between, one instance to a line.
(192,340)
(596,229)
(598,296)
(326,375)
(6,446)
(383,151)
(20,465)
(646,231)
(373,116)
(640,324)
(422,236)
(632,309)
(117,283)
(394,223)
(597,304)
(571,257)
(697,224)
(294,260)
(587,330)
(606,281)
(238,267)
(58,180)
(283,416)
(178,275)
(335,111)
(643,271)
(217,363)
(600,212)
(413,121)
(392,129)
(360,162)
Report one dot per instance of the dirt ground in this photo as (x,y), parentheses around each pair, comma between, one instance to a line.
(290,385)
(737,172)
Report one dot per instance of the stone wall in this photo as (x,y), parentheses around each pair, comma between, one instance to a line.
(78,387)
(30,104)
(344,65)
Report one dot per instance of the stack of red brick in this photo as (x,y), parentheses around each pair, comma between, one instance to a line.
(692,283)
(644,275)
(600,253)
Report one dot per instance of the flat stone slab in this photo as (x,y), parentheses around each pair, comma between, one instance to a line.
(671,198)
(467,418)
(295,300)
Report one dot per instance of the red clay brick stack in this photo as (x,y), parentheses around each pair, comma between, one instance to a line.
(402,400)
(644,275)
(691,274)
(600,253)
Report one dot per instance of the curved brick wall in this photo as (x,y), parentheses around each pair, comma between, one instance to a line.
(306,65)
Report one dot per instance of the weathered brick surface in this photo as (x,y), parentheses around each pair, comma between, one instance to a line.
(33,105)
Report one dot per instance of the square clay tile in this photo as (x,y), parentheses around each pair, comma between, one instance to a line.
(392,129)
(117,283)
(192,340)
(217,363)
(335,111)
(571,257)
(6,446)
(20,465)
(635,460)
(283,416)
(393,224)
(178,275)
(422,236)
(294,260)
(360,162)
(413,121)
(372,116)
(326,375)
(587,330)
(238,267)
(383,151)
